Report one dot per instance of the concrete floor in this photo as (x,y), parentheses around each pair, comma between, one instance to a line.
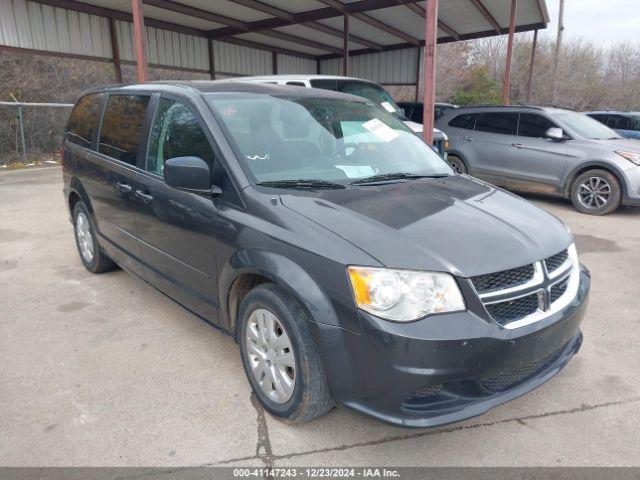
(102,370)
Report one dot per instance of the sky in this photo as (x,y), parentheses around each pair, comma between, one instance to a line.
(603,22)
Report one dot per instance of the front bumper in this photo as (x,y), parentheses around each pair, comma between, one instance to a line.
(632,183)
(447,368)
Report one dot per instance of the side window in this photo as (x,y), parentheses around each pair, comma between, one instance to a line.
(296,84)
(599,117)
(325,84)
(83,120)
(121,127)
(498,122)
(619,122)
(466,120)
(176,132)
(532,125)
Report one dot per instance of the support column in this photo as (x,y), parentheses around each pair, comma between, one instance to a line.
(274,63)
(345,46)
(532,65)
(506,79)
(418,58)
(140,42)
(212,60)
(115,50)
(429,68)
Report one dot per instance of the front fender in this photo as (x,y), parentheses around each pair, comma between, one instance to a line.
(573,173)
(282,271)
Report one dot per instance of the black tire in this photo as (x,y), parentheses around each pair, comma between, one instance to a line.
(99,262)
(311,397)
(457,163)
(608,186)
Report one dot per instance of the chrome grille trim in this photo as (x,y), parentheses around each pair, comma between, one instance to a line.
(540,284)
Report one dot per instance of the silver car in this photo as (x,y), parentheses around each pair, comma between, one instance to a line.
(546,150)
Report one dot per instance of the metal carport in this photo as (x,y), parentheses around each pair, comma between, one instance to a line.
(388,41)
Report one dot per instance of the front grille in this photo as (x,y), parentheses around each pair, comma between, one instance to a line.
(501,280)
(511,310)
(511,378)
(558,289)
(554,262)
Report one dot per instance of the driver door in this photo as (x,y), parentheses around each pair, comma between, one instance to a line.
(176,228)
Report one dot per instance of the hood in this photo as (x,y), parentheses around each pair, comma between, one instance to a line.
(456,224)
(625,144)
(417,128)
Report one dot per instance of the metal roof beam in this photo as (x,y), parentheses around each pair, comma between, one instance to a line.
(288,17)
(486,14)
(374,22)
(358,6)
(301,41)
(417,9)
(321,27)
(197,12)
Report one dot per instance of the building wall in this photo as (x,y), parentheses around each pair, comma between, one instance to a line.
(395,67)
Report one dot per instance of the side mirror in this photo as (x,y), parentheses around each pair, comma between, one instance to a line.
(191,174)
(555,133)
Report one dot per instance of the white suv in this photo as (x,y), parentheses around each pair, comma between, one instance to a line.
(355,86)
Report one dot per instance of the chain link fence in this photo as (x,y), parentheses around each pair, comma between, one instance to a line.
(31,133)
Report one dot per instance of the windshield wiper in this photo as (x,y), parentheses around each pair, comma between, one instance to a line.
(302,184)
(394,176)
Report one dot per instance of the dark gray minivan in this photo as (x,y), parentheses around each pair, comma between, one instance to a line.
(348,260)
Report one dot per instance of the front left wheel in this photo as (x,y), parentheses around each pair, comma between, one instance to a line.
(280,356)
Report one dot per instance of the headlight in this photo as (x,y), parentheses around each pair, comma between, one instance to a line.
(404,295)
(632,157)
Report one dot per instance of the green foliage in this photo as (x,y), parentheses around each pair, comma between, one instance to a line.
(477,87)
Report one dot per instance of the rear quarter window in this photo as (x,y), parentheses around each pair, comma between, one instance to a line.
(466,121)
(122,126)
(84,118)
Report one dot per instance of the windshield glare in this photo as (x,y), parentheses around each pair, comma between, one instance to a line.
(322,139)
(586,126)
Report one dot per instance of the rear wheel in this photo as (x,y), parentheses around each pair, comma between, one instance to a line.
(596,192)
(280,356)
(457,163)
(91,255)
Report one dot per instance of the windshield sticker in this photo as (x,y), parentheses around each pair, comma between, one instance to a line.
(266,156)
(380,130)
(357,171)
(388,107)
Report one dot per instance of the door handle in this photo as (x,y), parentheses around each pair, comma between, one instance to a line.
(518,145)
(145,197)
(468,139)
(124,187)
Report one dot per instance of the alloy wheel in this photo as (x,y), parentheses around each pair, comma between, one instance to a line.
(594,192)
(84,236)
(455,167)
(271,357)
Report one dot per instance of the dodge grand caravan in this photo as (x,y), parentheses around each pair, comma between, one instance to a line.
(349,261)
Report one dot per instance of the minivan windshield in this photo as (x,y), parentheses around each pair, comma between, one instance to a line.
(585,126)
(322,139)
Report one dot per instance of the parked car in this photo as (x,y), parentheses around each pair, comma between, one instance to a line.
(627,124)
(347,259)
(355,86)
(546,150)
(414,111)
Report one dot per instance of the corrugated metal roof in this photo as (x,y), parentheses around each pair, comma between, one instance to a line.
(177,34)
